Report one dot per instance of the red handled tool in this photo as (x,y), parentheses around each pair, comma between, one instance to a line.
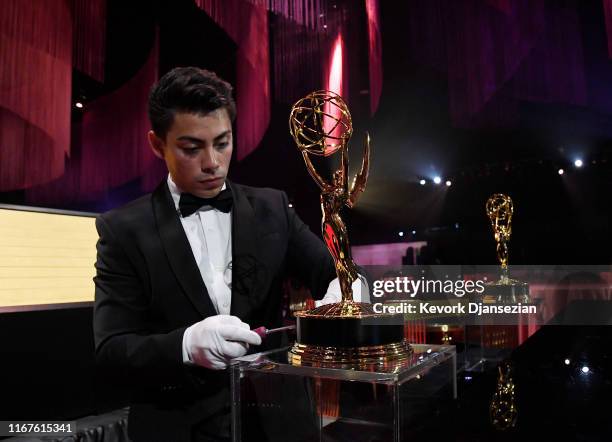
(263,332)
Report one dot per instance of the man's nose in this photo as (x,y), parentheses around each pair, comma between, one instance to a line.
(209,160)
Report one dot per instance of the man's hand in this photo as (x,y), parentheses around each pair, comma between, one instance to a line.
(214,341)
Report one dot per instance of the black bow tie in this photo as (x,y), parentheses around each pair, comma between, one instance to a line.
(190,204)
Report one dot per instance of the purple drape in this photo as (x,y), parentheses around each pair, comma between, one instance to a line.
(35,75)
(335,82)
(302,12)
(497,52)
(247,24)
(503,5)
(554,69)
(115,148)
(294,48)
(607,8)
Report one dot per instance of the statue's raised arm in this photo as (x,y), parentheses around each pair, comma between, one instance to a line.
(361,178)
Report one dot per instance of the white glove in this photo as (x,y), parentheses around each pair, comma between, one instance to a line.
(334,293)
(214,341)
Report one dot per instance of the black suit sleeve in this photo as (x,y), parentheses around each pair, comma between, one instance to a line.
(125,346)
(308,256)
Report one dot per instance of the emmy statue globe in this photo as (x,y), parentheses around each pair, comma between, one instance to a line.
(348,333)
(500,209)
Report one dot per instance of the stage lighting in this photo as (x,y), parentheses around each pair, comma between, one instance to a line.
(448,183)
(560,171)
(79,105)
(585,369)
(437,180)
(290,204)
(401,233)
(567,362)
(414,232)
(578,163)
(422,182)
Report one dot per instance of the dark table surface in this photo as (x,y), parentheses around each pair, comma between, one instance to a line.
(563,390)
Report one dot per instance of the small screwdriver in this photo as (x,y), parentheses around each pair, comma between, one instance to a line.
(263,332)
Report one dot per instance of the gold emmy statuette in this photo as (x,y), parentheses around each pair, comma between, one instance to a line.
(502,410)
(500,210)
(346,333)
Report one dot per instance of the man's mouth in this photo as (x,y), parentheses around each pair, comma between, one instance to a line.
(213,182)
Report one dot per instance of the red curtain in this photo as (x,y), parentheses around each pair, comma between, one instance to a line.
(113,144)
(89,37)
(35,74)
(374,53)
(247,24)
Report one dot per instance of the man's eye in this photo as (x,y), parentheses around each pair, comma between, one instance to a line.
(190,150)
(222,145)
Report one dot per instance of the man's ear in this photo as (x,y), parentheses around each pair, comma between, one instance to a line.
(156,143)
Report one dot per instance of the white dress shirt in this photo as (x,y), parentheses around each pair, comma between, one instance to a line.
(209,232)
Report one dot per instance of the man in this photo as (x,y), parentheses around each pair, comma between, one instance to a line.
(185,273)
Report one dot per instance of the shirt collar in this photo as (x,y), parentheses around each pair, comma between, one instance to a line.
(176,192)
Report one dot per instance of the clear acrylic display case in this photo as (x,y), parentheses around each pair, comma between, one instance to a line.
(275,401)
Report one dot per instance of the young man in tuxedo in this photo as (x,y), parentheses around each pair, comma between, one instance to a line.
(184,273)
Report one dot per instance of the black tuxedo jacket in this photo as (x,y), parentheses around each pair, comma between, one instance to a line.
(149,290)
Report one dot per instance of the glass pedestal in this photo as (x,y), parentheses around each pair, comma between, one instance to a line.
(489,341)
(273,400)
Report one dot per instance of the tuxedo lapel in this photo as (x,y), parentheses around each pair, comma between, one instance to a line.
(178,250)
(246,270)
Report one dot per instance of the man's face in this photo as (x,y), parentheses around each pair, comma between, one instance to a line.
(197,151)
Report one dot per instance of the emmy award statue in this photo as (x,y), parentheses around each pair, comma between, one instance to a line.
(500,209)
(347,333)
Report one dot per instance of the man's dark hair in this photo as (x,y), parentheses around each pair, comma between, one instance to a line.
(191,90)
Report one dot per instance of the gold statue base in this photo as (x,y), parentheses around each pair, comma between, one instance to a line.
(371,358)
(506,291)
(349,335)
(348,309)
